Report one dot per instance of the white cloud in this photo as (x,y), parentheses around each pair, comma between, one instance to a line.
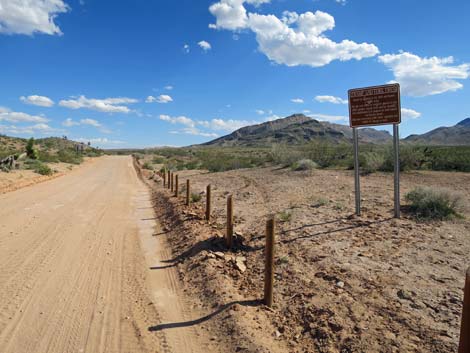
(178,120)
(425,76)
(409,113)
(225,125)
(169,87)
(186,48)
(260,112)
(40,128)
(19,117)
(107,105)
(295,39)
(206,46)
(330,118)
(69,122)
(331,99)
(163,98)
(99,141)
(30,16)
(90,122)
(297,100)
(194,131)
(41,101)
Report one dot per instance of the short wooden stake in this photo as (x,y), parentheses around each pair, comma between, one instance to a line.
(464,345)
(176,185)
(229,235)
(188,192)
(269,264)
(208,203)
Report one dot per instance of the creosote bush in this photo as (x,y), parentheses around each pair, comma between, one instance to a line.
(429,203)
(304,164)
(147,166)
(195,197)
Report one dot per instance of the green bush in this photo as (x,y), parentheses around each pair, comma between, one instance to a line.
(147,166)
(69,156)
(195,197)
(43,169)
(429,203)
(284,155)
(304,164)
(31,150)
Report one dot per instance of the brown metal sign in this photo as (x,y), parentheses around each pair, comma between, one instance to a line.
(378,105)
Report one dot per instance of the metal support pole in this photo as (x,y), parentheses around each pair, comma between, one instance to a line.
(464,345)
(269,263)
(396,183)
(357,184)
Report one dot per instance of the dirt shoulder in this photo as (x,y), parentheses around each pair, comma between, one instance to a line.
(343,283)
(20,178)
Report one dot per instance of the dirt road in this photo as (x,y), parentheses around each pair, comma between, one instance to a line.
(73,276)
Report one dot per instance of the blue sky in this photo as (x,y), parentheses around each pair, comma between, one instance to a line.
(147,73)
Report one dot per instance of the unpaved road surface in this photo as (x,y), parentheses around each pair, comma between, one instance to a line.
(73,274)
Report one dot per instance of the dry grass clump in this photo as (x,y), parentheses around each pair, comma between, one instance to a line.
(429,203)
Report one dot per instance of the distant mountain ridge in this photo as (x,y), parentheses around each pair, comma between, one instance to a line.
(296,129)
(457,135)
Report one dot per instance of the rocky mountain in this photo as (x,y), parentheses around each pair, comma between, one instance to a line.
(296,129)
(457,135)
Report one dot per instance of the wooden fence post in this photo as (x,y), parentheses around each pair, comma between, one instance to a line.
(169,178)
(208,203)
(188,192)
(176,185)
(229,235)
(172,181)
(464,345)
(269,264)
(164,179)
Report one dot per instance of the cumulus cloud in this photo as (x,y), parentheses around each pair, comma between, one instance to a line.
(425,76)
(99,141)
(329,118)
(40,128)
(20,117)
(409,113)
(260,111)
(41,101)
(194,131)
(295,39)
(30,16)
(169,87)
(206,46)
(297,100)
(225,125)
(70,122)
(178,120)
(186,48)
(163,98)
(107,105)
(331,99)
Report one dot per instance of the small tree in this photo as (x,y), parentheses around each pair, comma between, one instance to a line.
(31,151)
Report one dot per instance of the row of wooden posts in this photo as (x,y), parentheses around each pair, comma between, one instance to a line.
(171,182)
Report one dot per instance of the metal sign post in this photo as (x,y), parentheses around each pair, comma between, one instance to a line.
(378,105)
(357,184)
(396,184)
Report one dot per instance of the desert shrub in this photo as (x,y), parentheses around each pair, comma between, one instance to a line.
(411,158)
(284,155)
(304,164)
(158,160)
(285,216)
(43,169)
(195,197)
(47,157)
(69,156)
(429,203)
(326,154)
(370,162)
(147,166)
(31,150)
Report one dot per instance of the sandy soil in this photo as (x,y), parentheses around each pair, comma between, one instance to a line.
(343,283)
(73,274)
(17,179)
